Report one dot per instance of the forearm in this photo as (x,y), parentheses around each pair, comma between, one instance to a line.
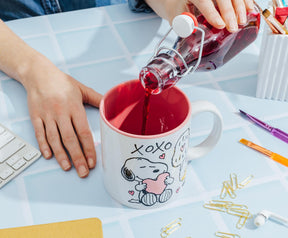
(16,57)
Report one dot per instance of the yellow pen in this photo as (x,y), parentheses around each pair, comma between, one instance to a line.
(276,157)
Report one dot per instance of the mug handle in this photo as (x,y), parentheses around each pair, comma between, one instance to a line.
(208,144)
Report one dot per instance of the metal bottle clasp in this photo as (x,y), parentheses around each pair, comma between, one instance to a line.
(190,69)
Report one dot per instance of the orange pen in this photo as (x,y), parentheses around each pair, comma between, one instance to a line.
(276,157)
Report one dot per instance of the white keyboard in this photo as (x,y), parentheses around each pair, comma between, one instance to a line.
(15,155)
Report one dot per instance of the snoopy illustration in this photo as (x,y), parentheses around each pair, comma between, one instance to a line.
(152,178)
(178,159)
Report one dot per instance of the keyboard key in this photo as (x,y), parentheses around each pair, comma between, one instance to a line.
(18,164)
(1,130)
(30,155)
(5,172)
(10,149)
(5,138)
(13,159)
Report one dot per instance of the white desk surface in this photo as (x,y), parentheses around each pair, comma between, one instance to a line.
(102,47)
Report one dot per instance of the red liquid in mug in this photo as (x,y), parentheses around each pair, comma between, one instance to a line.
(127,110)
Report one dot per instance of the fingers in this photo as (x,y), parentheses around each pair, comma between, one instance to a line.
(89,95)
(71,143)
(85,137)
(61,136)
(55,142)
(240,10)
(41,137)
(92,97)
(207,8)
(68,135)
(249,5)
(230,14)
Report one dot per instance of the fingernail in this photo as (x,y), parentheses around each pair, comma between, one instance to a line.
(233,27)
(46,154)
(65,164)
(90,162)
(242,19)
(220,23)
(82,171)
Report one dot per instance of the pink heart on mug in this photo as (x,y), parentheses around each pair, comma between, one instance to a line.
(162,156)
(131,192)
(156,186)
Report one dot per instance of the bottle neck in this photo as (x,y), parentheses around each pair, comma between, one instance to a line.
(160,73)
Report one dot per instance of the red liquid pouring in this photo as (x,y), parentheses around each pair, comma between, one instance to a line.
(146,108)
(219,47)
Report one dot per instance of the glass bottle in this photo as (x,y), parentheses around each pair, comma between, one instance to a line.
(166,68)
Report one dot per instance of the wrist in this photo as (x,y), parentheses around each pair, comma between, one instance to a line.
(31,72)
(26,67)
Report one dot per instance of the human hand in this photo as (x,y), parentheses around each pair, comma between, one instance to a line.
(232,12)
(55,102)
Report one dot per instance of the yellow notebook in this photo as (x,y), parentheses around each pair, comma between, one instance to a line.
(84,228)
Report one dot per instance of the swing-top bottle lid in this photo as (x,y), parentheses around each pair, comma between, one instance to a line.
(184,24)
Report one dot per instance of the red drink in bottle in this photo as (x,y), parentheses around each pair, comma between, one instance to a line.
(220,45)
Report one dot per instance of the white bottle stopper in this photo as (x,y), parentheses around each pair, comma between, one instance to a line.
(184,24)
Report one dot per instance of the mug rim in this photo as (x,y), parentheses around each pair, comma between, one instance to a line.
(159,135)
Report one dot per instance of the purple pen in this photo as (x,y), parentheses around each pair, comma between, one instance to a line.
(274,131)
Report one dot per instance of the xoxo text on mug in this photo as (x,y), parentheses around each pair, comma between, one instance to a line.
(147,171)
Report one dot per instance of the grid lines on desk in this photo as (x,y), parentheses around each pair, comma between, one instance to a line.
(53,195)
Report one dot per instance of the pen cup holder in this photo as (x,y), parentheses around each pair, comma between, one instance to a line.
(273,67)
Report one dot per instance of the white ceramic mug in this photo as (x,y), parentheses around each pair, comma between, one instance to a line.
(147,171)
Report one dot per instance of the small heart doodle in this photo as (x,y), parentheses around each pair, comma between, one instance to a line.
(131,192)
(162,156)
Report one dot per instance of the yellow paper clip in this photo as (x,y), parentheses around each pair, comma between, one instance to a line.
(234,181)
(230,186)
(223,192)
(238,206)
(229,189)
(170,228)
(238,212)
(217,205)
(226,235)
(221,203)
(242,221)
(245,182)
